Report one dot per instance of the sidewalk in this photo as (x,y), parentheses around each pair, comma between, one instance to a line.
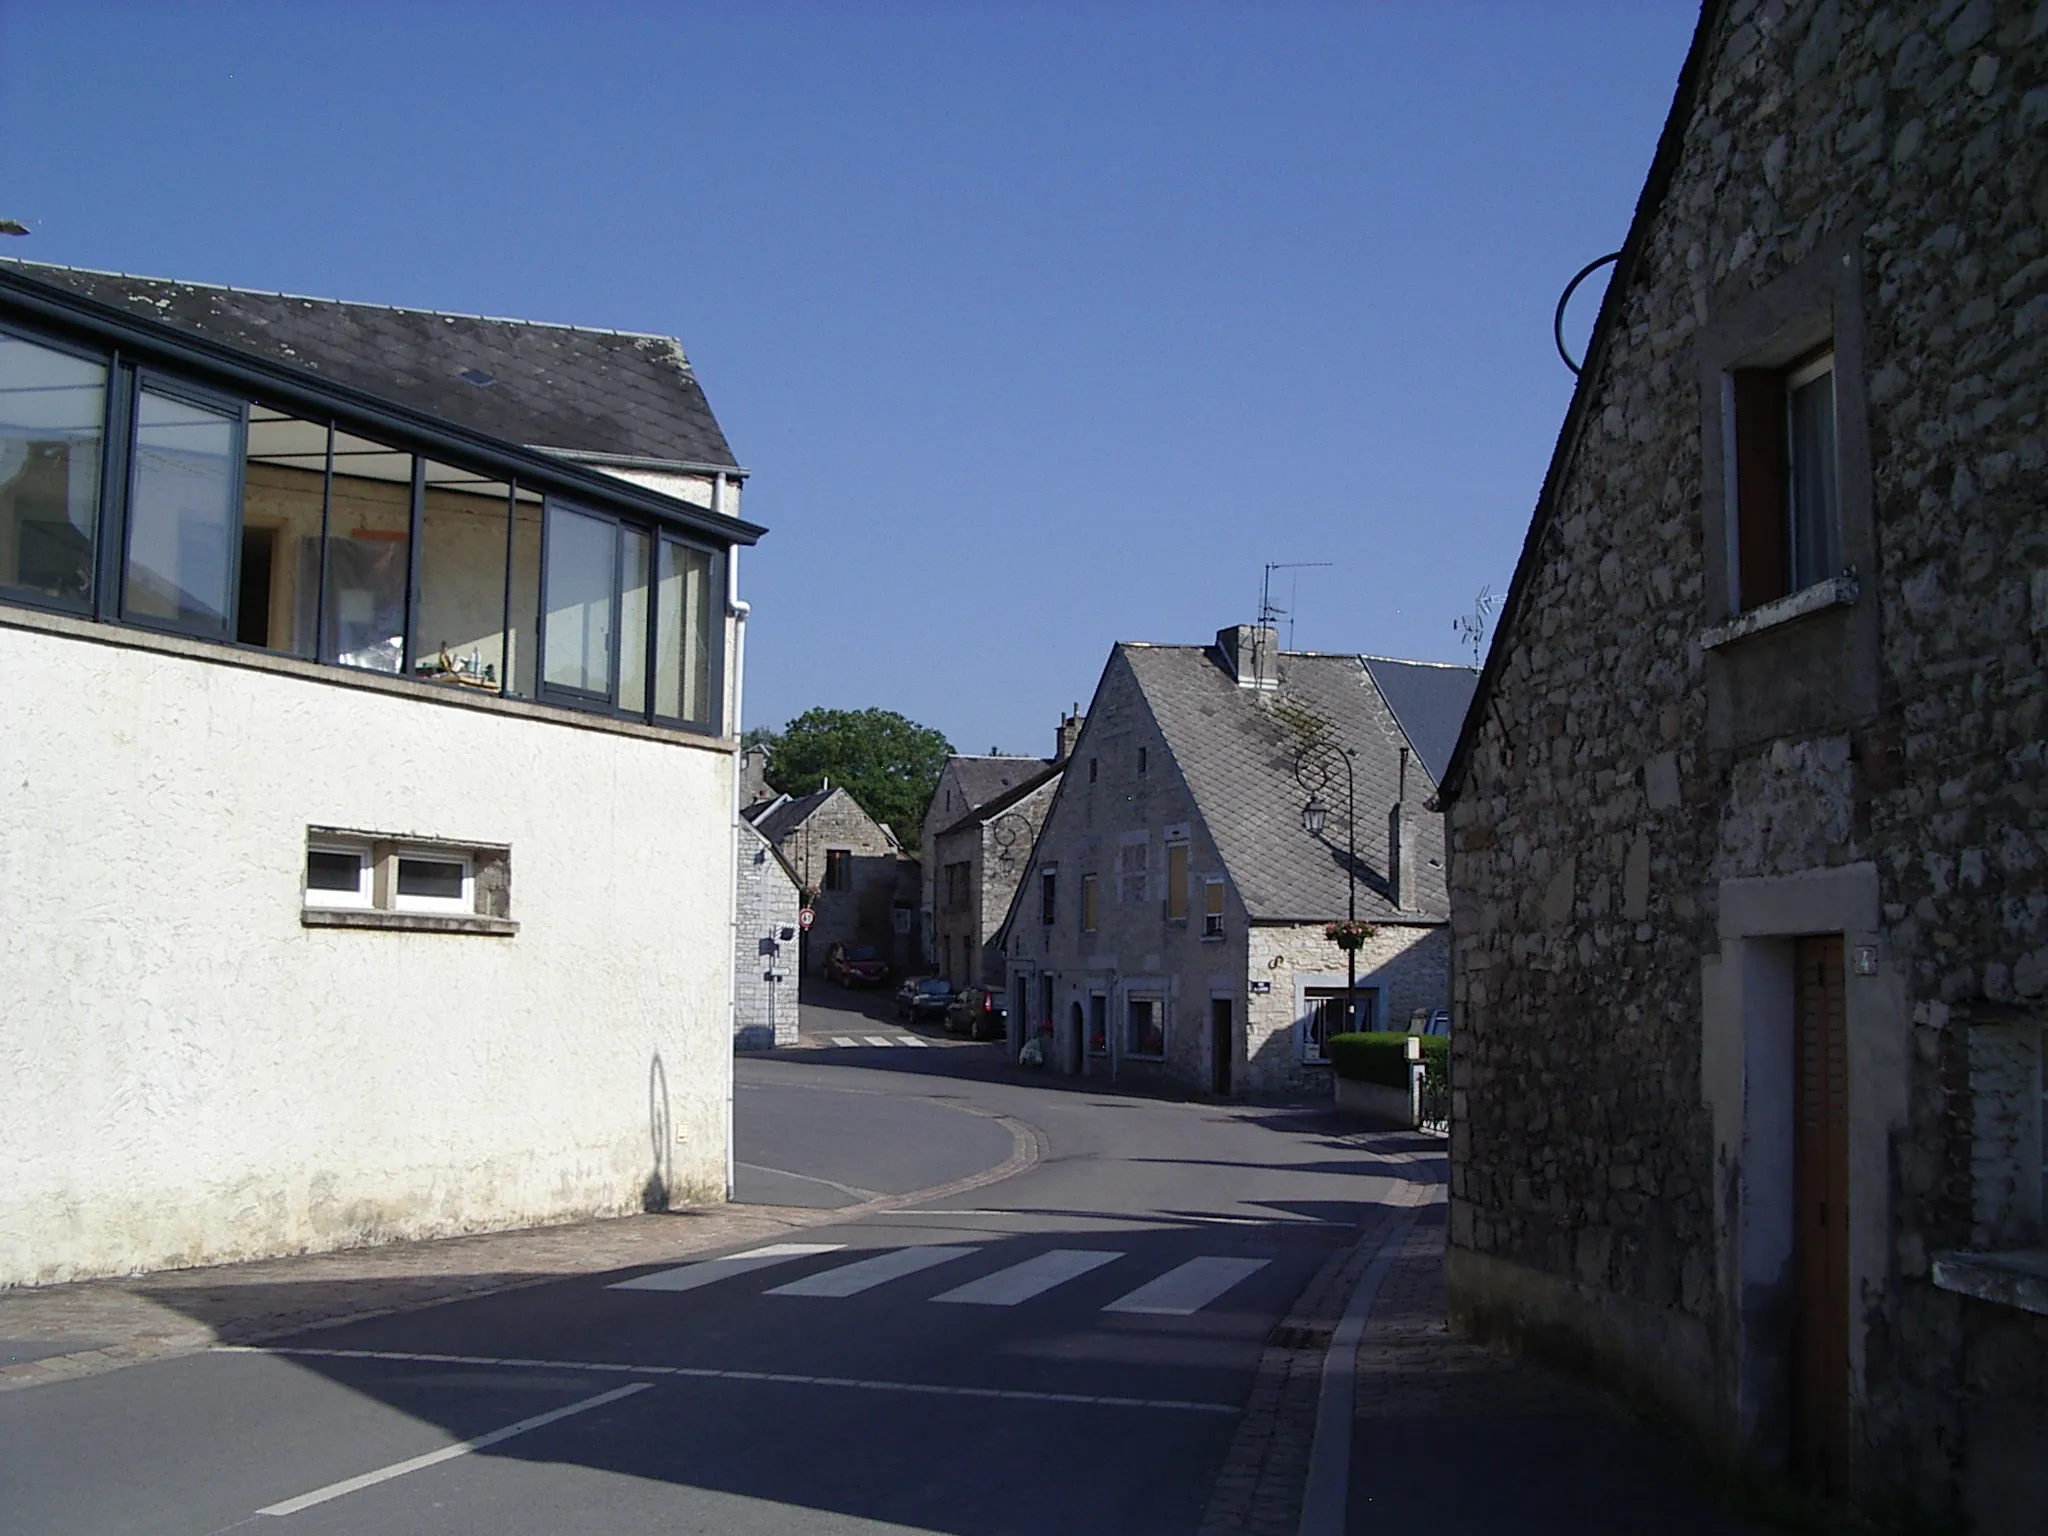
(1469,1441)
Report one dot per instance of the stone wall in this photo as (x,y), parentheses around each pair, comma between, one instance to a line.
(864,912)
(764,948)
(1878,171)
(1409,968)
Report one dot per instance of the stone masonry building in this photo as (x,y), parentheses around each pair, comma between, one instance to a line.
(1748,825)
(981,859)
(1170,925)
(766,942)
(966,782)
(858,883)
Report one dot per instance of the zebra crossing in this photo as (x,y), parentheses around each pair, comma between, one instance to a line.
(853,1042)
(1181,1291)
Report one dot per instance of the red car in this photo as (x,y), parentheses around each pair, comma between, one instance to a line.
(855,965)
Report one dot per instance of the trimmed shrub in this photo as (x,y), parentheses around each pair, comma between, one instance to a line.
(1382,1057)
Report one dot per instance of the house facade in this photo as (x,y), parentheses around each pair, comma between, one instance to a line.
(1170,925)
(767,939)
(359,882)
(981,860)
(965,782)
(860,887)
(1749,839)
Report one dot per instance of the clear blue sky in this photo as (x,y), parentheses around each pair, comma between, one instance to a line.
(1041,325)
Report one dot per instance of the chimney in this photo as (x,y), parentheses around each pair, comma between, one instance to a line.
(1069,732)
(1251,653)
(1401,855)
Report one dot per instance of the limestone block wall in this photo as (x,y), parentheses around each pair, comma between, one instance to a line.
(764,948)
(190,1075)
(1408,966)
(862,913)
(1879,167)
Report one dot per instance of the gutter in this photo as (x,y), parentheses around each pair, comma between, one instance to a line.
(738,612)
(642,461)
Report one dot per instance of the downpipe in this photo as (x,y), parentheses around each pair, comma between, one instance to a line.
(737,611)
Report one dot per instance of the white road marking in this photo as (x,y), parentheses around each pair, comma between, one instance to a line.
(689,1276)
(703,1373)
(879,1040)
(912,1040)
(844,1040)
(447,1453)
(811,1178)
(1021,1282)
(1184,1291)
(866,1274)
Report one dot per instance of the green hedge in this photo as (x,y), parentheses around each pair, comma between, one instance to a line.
(1383,1058)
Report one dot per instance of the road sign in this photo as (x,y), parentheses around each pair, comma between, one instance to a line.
(803,918)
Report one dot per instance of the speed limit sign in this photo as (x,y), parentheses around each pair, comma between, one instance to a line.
(803,918)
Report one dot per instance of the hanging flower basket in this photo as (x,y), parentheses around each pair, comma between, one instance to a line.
(1349,935)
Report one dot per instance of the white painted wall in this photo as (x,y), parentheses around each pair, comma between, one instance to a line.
(188,1075)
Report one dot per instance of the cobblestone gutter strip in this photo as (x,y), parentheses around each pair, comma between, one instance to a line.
(112,1323)
(1260,1489)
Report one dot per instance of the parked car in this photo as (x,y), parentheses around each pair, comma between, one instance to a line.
(979,1013)
(855,965)
(1438,1023)
(924,997)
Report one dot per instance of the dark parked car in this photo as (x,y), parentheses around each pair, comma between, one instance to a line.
(924,998)
(979,1013)
(855,965)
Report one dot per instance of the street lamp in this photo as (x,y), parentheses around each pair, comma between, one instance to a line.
(1314,817)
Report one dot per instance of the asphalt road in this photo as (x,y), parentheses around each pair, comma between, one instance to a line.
(1066,1350)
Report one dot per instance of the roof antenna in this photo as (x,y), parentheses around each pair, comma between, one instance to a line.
(1473,625)
(1267,612)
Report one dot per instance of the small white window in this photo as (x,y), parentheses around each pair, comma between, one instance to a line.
(433,881)
(337,875)
(1212,909)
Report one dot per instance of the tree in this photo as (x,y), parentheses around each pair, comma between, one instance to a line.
(889,764)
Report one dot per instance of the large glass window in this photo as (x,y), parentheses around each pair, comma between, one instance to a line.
(582,577)
(635,553)
(682,658)
(52,412)
(284,500)
(184,514)
(458,630)
(369,549)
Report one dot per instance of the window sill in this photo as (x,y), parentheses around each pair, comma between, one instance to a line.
(1835,592)
(415,922)
(2016,1278)
(1211,938)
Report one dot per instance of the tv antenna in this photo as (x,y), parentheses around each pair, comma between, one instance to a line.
(1472,626)
(1267,612)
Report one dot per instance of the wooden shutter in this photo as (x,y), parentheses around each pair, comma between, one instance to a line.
(1820,1246)
(1763,536)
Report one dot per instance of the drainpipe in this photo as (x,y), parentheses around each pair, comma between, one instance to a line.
(737,611)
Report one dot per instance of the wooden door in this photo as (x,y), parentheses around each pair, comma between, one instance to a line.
(1820,1245)
(1222,1045)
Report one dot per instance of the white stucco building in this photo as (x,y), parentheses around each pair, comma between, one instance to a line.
(367,794)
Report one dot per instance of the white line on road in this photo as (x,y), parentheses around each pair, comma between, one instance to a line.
(866,1274)
(689,1276)
(447,1453)
(811,1178)
(1021,1282)
(844,1040)
(703,1373)
(1184,1291)
(879,1040)
(913,1040)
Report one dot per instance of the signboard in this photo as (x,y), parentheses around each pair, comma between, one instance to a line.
(803,918)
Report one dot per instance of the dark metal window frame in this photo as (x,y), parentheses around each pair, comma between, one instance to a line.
(137,352)
(28,597)
(608,702)
(170,386)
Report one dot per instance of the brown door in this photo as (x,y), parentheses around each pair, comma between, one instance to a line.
(1820,1244)
(1222,1046)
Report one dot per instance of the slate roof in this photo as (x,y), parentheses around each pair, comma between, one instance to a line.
(989,809)
(561,387)
(982,779)
(1236,751)
(1429,699)
(784,816)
